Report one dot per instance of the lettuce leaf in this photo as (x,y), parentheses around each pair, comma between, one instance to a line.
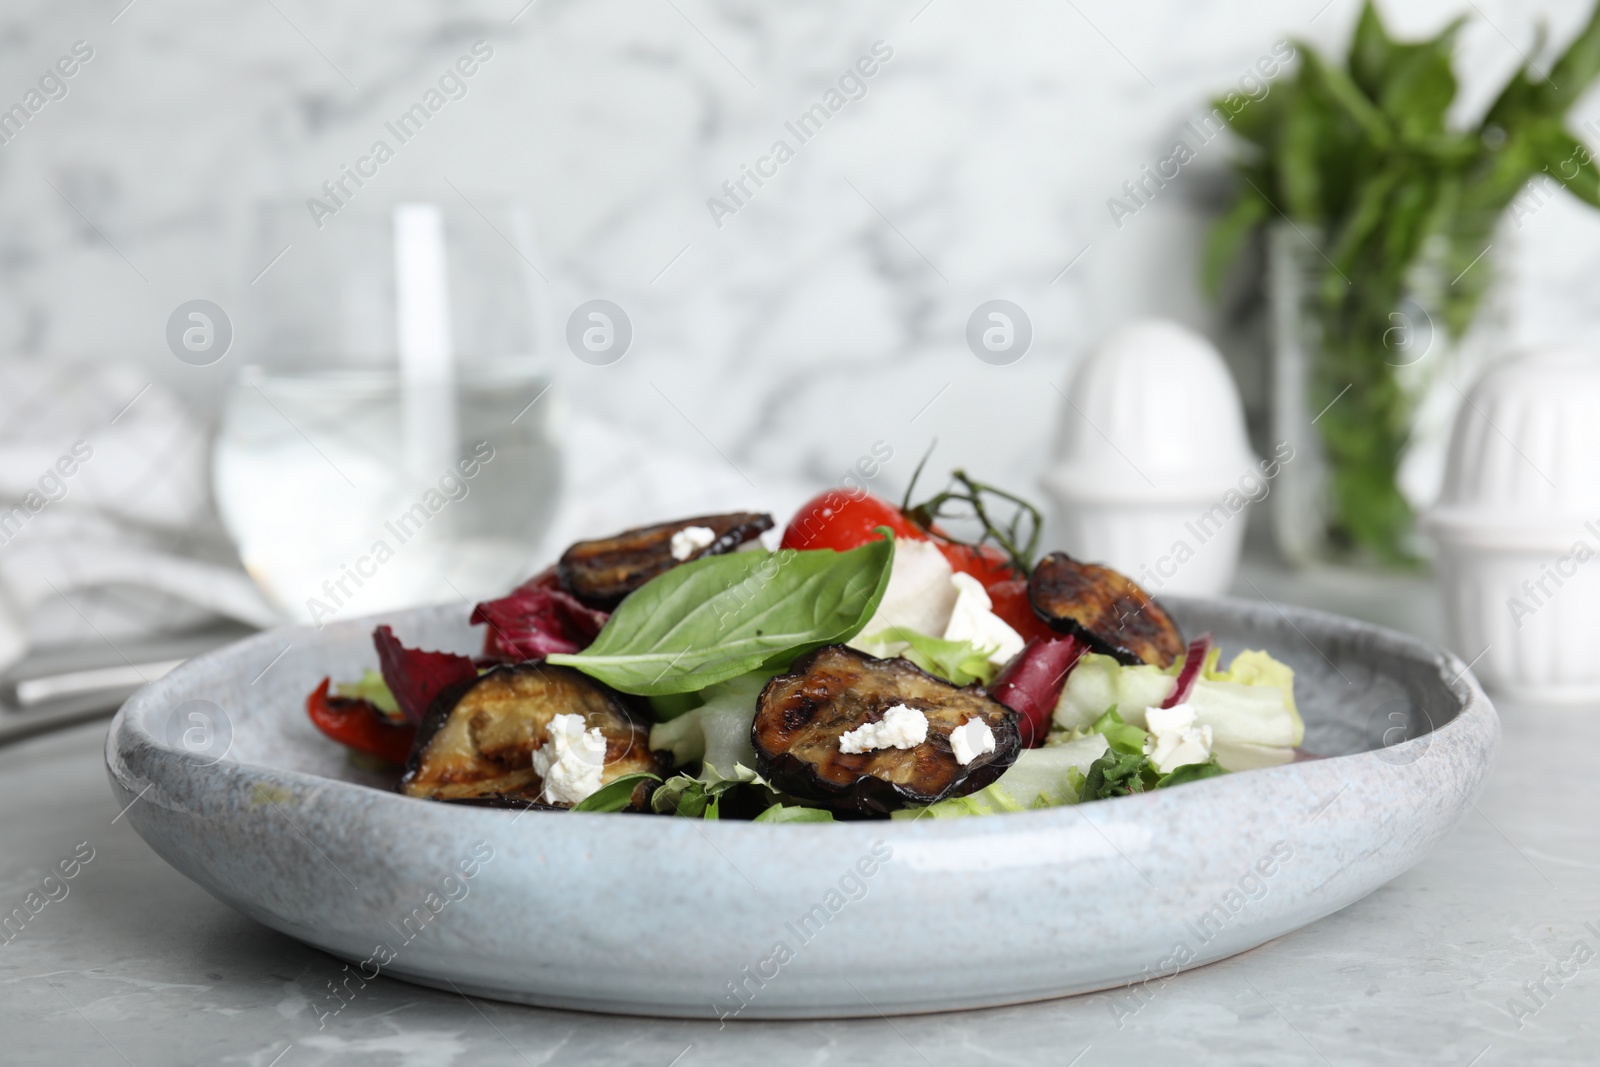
(373,690)
(1099,683)
(794,813)
(1121,736)
(957,662)
(1249,707)
(1040,778)
(669,706)
(717,733)
(1254,667)
(990,800)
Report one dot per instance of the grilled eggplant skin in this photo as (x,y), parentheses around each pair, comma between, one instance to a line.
(1105,609)
(477,740)
(600,573)
(801,715)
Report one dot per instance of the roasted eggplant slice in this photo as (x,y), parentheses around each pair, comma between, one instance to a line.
(478,739)
(801,717)
(600,573)
(1105,609)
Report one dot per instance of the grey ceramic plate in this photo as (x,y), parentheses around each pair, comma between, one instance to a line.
(230,784)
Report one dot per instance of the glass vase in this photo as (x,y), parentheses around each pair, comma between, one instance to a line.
(1431,371)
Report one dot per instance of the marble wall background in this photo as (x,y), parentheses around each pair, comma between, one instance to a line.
(826,314)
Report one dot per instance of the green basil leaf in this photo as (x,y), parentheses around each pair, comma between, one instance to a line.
(1569,162)
(615,794)
(1336,88)
(1372,51)
(794,813)
(1421,85)
(1190,772)
(1577,68)
(718,617)
(1296,160)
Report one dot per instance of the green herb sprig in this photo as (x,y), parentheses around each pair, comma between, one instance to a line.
(1362,159)
(1125,769)
(1017,536)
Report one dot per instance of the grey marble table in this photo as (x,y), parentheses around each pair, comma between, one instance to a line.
(1487,953)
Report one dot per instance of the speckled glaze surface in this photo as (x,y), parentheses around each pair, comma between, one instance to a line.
(678,917)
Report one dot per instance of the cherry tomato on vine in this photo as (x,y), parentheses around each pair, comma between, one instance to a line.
(840,521)
(986,563)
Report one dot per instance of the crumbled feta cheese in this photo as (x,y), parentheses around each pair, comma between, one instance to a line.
(900,727)
(972,620)
(570,761)
(691,539)
(919,597)
(970,740)
(1175,741)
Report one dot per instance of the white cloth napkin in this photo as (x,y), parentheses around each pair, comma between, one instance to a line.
(105,522)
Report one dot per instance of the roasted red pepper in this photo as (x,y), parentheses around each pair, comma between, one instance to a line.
(1031,683)
(358,724)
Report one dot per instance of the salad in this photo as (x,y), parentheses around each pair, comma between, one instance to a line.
(870,664)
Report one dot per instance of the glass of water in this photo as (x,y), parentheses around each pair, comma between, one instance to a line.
(388,442)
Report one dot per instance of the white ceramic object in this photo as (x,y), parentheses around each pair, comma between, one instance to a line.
(1518,527)
(1154,468)
(220,772)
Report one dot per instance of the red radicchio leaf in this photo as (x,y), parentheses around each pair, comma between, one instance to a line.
(1031,683)
(535,621)
(415,677)
(1193,660)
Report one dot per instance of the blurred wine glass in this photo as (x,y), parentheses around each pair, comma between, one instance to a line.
(387,442)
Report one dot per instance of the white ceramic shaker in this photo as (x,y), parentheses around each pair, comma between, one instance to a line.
(1154,470)
(1518,528)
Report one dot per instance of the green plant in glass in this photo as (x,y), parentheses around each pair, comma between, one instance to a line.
(1361,158)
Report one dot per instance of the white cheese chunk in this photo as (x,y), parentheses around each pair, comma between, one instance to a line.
(900,727)
(691,539)
(570,761)
(970,740)
(1175,741)
(919,597)
(972,620)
